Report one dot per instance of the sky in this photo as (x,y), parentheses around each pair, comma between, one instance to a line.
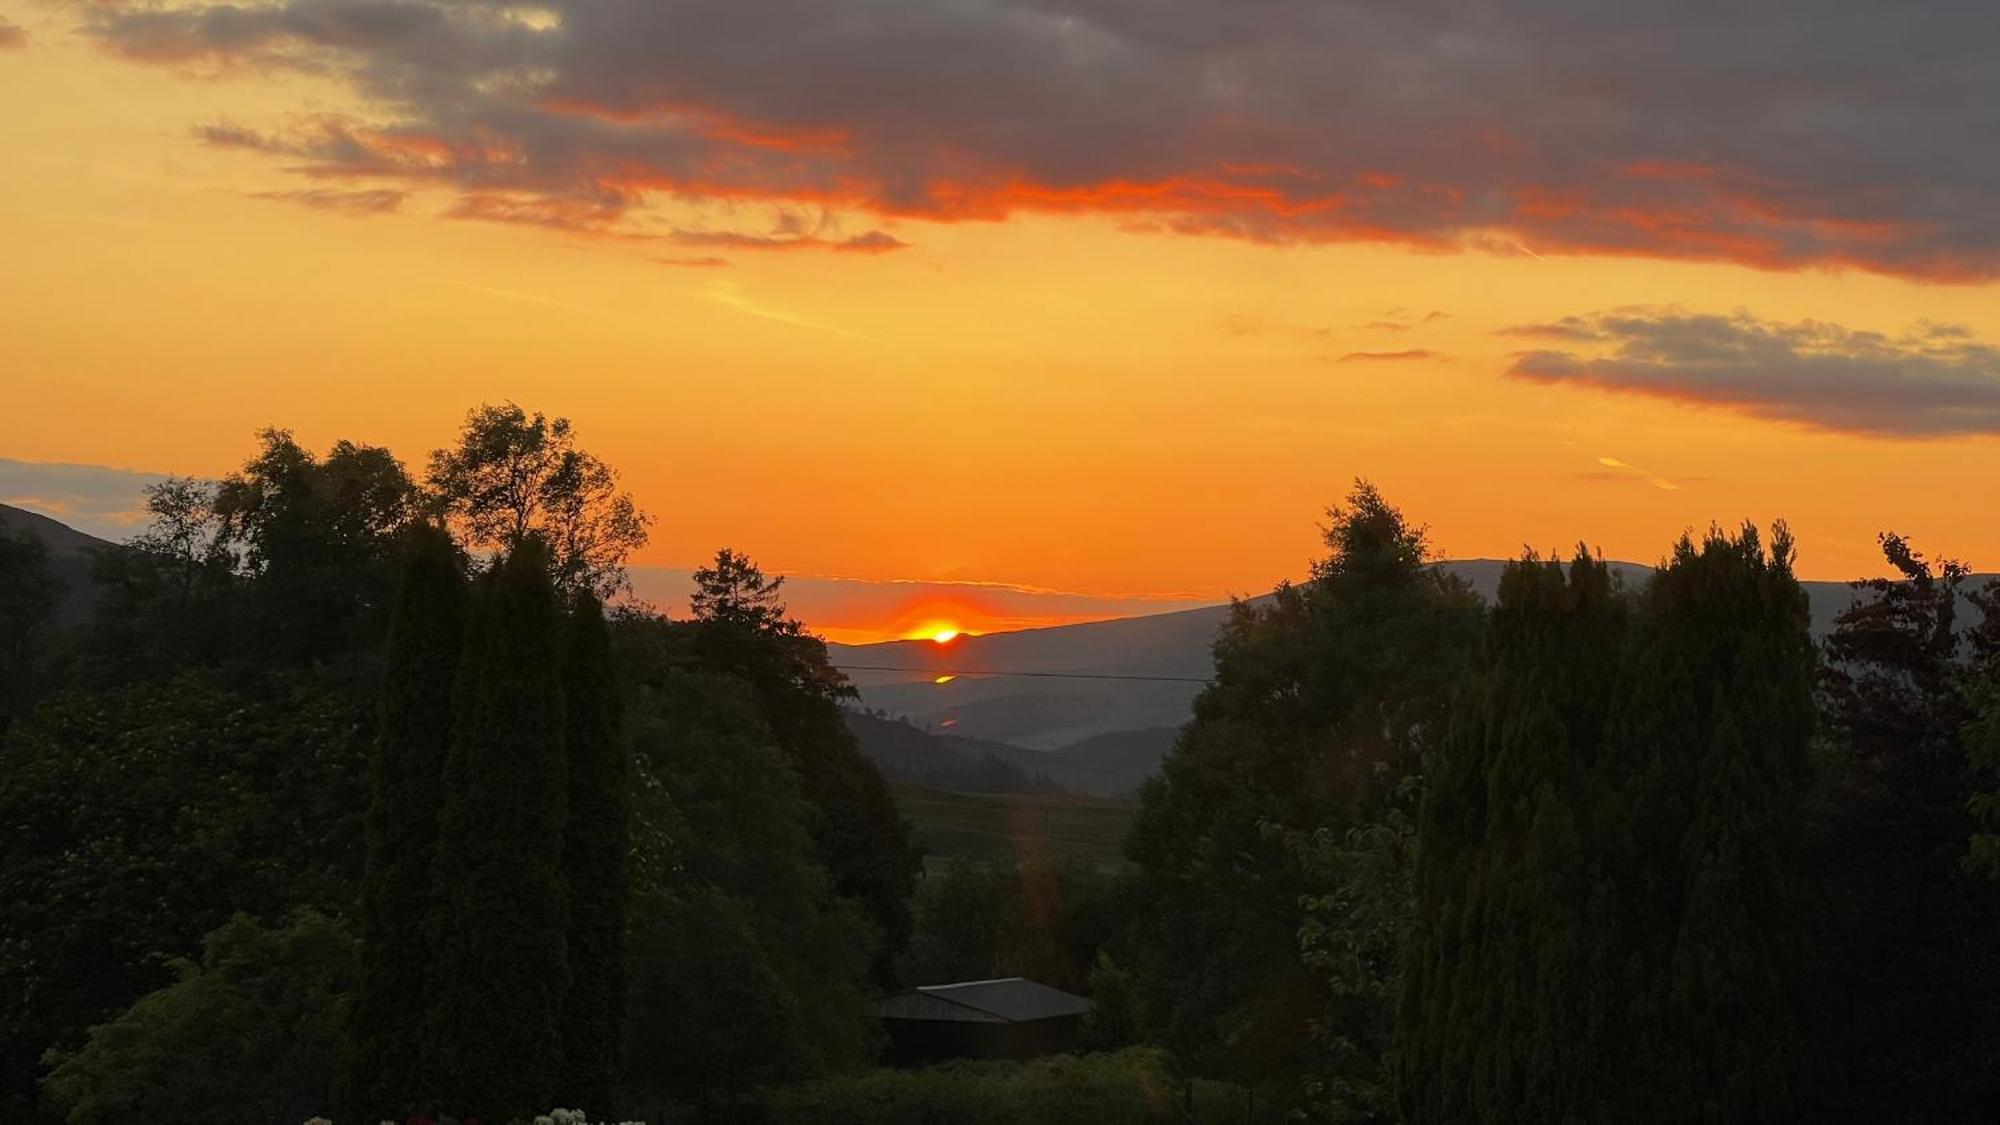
(997,313)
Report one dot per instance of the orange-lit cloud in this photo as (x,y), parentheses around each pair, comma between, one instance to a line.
(1552,129)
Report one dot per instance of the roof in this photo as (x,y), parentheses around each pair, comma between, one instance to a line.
(1008,1000)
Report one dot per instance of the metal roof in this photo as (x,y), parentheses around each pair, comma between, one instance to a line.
(1008,1000)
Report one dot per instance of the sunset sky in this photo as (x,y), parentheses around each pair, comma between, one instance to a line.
(1006,312)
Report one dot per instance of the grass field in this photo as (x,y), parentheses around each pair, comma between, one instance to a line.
(1002,827)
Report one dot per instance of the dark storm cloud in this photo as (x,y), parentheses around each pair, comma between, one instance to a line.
(1934,381)
(1784,134)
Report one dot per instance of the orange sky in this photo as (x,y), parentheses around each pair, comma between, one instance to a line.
(1054,401)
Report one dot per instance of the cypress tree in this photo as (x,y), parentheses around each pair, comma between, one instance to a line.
(595,843)
(405,790)
(1494,1020)
(495,1011)
(1738,617)
(1699,822)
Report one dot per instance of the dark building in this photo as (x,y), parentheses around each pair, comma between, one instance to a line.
(981,1019)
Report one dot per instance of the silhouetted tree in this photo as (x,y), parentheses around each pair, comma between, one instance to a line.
(405,795)
(1496,1019)
(495,1009)
(316,536)
(512,474)
(595,843)
(1912,1016)
(1324,697)
(741,627)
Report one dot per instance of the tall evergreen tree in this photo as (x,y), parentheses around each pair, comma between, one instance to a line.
(594,849)
(495,1006)
(1495,1018)
(1710,741)
(405,793)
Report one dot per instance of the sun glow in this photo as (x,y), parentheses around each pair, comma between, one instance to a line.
(944,635)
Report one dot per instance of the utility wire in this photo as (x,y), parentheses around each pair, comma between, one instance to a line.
(1037,675)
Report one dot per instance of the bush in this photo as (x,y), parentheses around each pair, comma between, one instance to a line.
(249,1036)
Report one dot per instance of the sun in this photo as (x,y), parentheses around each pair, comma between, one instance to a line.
(944,634)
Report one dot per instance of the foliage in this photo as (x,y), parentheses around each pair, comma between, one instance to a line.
(1136,1086)
(406,791)
(317,536)
(495,1001)
(741,627)
(249,1035)
(134,820)
(1495,1017)
(513,475)
(170,593)
(745,967)
(1038,919)
(1323,698)
(1913,1018)
(595,843)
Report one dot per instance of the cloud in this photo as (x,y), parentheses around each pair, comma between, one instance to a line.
(105,502)
(1934,381)
(871,242)
(1713,132)
(1401,356)
(13,37)
(705,262)
(374,201)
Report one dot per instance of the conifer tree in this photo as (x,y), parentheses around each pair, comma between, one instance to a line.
(1714,729)
(1494,1020)
(405,791)
(495,1010)
(595,843)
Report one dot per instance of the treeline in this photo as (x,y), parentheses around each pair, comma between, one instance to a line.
(260,865)
(1589,854)
(351,797)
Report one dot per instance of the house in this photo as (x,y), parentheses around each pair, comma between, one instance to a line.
(1011,1018)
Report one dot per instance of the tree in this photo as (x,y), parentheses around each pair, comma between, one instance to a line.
(317,537)
(1895,802)
(746,966)
(1702,813)
(248,1035)
(512,475)
(170,593)
(1496,1020)
(595,842)
(405,795)
(493,1024)
(741,627)
(1324,697)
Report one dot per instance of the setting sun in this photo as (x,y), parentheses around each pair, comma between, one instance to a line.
(944,634)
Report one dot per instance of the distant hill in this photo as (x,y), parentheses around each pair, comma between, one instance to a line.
(1076,698)
(1107,765)
(71,556)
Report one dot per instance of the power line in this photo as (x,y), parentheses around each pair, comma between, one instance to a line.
(1037,675)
